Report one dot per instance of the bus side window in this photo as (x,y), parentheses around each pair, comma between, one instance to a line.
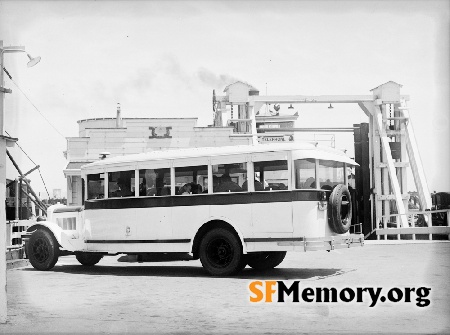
(95,186)
(271,175)
(154,182)
(147,182)
(191,179)
(229,177)
(331,173)
(121,184)
(305,173)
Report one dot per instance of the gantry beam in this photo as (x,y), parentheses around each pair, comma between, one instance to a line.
(291,99)
(314,98)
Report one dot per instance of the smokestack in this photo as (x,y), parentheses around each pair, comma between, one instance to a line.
(119,117)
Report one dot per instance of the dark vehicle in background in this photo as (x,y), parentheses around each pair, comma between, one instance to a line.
(440,200)
(418,220)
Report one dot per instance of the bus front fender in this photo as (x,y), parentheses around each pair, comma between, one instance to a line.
(62,237)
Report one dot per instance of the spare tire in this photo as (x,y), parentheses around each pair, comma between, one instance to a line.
(340,209)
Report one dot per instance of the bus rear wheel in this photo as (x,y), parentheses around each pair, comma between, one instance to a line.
(221,253)
(88,259)
(265,260)
(42,250)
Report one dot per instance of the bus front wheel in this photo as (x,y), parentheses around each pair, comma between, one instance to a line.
(42,250)
(88,259)
(221,253)
(265,260)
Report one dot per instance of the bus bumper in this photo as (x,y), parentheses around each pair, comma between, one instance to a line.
(333,242)
(322,243)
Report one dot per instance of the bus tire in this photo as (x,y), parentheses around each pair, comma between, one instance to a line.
(221,253)
(340,209)
(42,250)
(265,260)
(88,259)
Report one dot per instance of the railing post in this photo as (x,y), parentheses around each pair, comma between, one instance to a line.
(412,220)
(448,221)
(16,200)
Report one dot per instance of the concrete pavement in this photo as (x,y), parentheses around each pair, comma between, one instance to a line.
(179,297)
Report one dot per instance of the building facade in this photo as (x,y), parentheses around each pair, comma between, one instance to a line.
(100,137)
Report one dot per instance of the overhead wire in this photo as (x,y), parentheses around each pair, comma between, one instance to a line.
(37,109)
(39,170)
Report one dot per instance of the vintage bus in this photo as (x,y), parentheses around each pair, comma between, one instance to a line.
(227,206)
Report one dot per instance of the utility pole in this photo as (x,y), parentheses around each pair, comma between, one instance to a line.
(5,141)
(3,302)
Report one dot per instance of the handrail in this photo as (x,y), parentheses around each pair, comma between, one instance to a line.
(428,230)
(413,212)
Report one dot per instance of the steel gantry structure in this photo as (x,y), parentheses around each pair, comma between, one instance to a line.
(392,146)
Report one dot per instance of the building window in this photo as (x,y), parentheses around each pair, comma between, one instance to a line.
(74,189)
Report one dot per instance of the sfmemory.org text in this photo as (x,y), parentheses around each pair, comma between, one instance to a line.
(279,291)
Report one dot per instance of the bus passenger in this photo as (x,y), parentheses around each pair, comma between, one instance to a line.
(216,182)
(309,183)
(258,185)
(227,185)
(151,188)
(124,189)
(186,189)
(143,188)
(196,188)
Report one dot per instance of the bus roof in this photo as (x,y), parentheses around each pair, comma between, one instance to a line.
(309,150)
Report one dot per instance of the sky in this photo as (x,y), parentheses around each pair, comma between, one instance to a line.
(163,59)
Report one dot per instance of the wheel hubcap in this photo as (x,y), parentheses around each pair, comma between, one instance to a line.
(41,250)
(220,253)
